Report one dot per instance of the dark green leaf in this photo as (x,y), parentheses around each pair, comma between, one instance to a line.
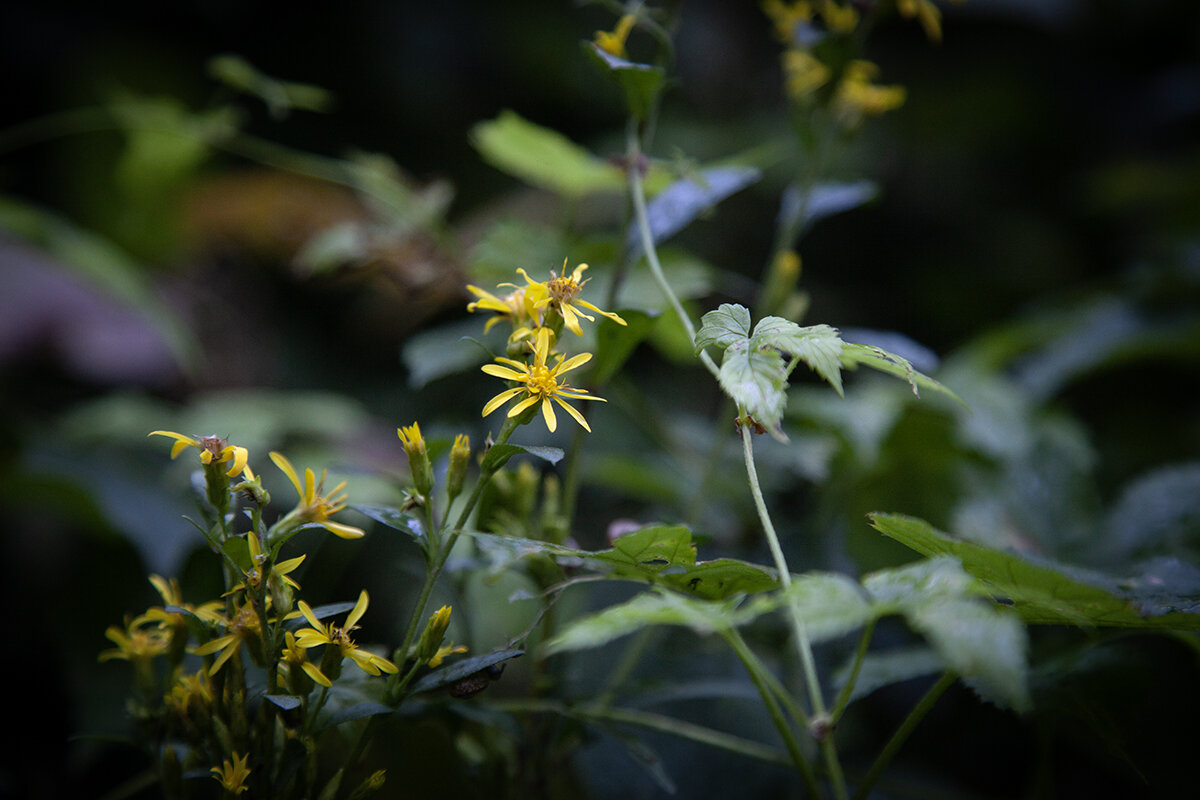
(802,208)
(455,672)
(358,711)
(395,519)
(499,454)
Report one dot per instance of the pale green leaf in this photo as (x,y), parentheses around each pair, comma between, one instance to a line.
(853,355)
(757,381)
(544,158)
(656,607)
(724,327)
(818,346)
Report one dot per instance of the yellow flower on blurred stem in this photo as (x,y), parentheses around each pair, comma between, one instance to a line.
(315,506)
(803,73)
(539,383)
(839,18)
(857,97)
(172,596)
(232,774)
(339,637)
(561,293)
(256,574)
(189,689)
(445,650)
(213,449)
(614,43)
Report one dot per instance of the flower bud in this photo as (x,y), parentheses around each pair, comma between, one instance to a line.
(456,473)
(418,458)
(431,637)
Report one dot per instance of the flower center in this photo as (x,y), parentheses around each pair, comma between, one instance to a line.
(563,290)
(541,381)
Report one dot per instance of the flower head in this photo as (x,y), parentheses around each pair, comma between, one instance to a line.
(539,383)
(243,628)
(315,505)
(515,306)
(926,13)
(213,449)
(561,293)
(294,655)
(136,641)
(857,97)
(339,637)
(172,596)
(232,774)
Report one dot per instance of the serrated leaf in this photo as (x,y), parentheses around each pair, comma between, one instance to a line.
(724,327)
(499,454)
(395,519)
(655,607)
(830,604)
(1040,593)
(818,346)
(757,381)
(892,666)
(542,157)
(879,359)
(675,207)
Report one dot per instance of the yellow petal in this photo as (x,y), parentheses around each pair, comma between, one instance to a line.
(574,413)
(314,672)
(359,609)
(521,406)
(500,400)
(344,531)
(286,466)
(307,611)
(240,456)
(573,362)
(497,371)
(548,414)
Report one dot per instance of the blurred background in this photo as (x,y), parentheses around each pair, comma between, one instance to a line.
(171,257)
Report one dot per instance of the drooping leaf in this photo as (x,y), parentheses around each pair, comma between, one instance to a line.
(452,673)
(1040,593)
(543,158)
(853,355)
(757,381)
(358,711)
(395,519)
(675,207)
(499,454)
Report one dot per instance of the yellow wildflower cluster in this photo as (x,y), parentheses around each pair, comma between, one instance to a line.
(848,86)
(538,311)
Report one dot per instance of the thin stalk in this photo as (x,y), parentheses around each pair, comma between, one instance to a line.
(803,645)
(843,698)
(758,675)
(902,733)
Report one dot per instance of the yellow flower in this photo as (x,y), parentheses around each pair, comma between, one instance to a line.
(445,650)
(213,449)
(786,16)
(315,506)
(856,97)
(514,306)
(135,642)
(296,656)
(539,383)
(189,689)
(256,574)
(232,774)
(839,18)
(172,596)
(243,628)
(339,637)
(614,43)
(561,293)
(803,73)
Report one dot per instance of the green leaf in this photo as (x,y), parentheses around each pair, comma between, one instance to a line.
(358,711)
(853,355)
(465,668)
(757,381)
(395,519)
(722,328)
(641,83)
(655,607)
(892,666)
(543,158)
(615,343)
(818,346)
(499,454)
(830,604)
(279,96)
(445,350)
(1040,594)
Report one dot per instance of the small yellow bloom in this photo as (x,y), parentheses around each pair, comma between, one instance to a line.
(445,650)
(213,449)
(857,97)
(803,73)
(431,638)
(786,16)
(243,628)
(539,383)
(172,595)
(136,642)
(561,294)
(232,774)
(294,655)
(418,457)
(514,306)
(339,637)
(614,43)
(189,689)
(839,18)
(929,15)
(315,505)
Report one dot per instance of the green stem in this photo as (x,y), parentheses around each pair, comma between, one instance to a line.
(638,192)
(758,675)
(902,733)
(843,698)
(803,645)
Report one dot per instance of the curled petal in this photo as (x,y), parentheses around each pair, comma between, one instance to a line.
(359,609)
(314,672)
(286,466)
